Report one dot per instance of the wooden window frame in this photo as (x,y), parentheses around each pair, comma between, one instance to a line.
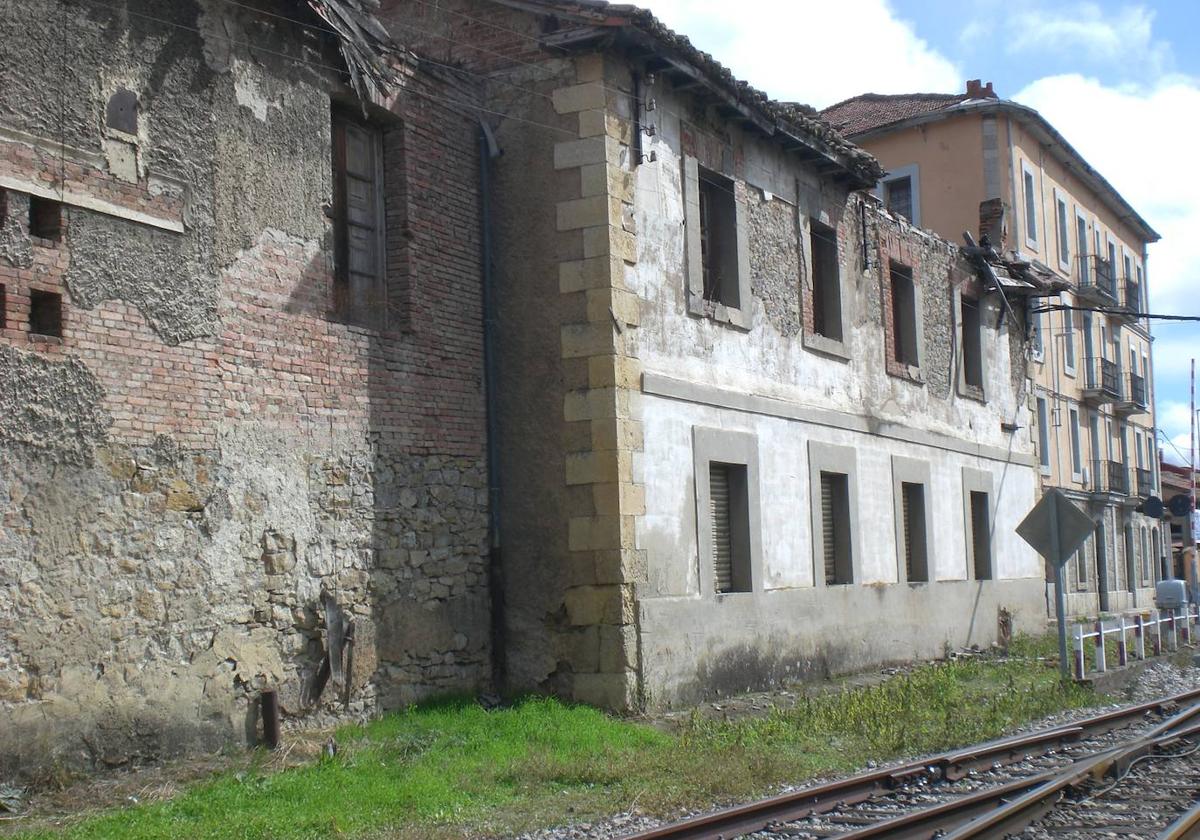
(369,307)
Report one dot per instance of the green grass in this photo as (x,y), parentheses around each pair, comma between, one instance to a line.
(452,769)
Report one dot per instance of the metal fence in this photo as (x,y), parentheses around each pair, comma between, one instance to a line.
(1160,630)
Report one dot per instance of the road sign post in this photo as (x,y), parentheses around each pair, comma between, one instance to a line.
(1055,528)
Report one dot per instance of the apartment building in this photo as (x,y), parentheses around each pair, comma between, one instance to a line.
(975,162)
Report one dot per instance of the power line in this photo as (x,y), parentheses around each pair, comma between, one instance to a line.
(1110,310)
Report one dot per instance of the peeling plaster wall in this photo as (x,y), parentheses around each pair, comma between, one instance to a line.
(768,383)
(205,454)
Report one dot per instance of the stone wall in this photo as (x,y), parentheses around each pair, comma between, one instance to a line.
(210,465)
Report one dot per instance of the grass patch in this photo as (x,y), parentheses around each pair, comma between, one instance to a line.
(451,768)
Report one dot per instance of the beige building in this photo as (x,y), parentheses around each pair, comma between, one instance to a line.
(974,162)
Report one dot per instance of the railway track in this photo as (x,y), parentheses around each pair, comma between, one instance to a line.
(1133,772)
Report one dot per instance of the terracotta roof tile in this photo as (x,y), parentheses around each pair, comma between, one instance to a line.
(873,110)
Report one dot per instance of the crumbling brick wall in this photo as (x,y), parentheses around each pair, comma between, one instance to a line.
(209,452)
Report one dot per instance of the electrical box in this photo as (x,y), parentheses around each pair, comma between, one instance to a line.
(1170,594)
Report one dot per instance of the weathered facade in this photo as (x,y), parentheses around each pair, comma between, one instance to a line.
(228,427)
(740,439)
(973,161)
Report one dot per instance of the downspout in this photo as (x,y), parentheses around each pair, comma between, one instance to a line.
(489,150)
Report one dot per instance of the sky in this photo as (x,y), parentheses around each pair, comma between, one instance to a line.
(1121,81)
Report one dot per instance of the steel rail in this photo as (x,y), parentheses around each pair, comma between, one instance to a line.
(817,799)
(1187,827)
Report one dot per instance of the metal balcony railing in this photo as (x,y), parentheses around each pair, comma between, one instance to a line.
(1145,482)
(1097,279)
(1109,477)
(1133,296)
(1137,390)
(1103,380)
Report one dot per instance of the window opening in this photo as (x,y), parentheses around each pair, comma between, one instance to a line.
(45,313)
(1030,207)
(1081,566)
(45,218)
(826,284)
(1043,433)
(981,538)
(730,522)
(898,196)
(718,239)
(1068,337)
(916,548)
(358,222)
(122,111)
(972,327)
(1064,234)
(1081,241)
(904,314)
(3,307)
(1076,452)
(835,528)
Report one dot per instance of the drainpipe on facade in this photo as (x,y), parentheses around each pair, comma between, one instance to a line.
(489,150)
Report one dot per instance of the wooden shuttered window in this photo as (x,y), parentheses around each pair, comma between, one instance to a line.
(912,508)
(358,222)
(729,524)
(835,528)
(722,538)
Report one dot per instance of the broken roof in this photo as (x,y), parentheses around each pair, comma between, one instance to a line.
(797,125)
(873,114)
(366,46)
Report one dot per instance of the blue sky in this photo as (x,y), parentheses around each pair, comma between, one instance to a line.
(1120,80)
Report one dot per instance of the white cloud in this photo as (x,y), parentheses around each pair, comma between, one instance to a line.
(799,51)
(1081,33)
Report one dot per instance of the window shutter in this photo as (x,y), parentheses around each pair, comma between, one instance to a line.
(906,516)
(722,542)
(828,528)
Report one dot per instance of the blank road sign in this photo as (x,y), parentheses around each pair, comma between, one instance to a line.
(1074,526)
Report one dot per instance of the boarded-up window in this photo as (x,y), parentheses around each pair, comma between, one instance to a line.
(835,528)
(981,537)
(904,314)
(912,512)
(358,222)
(826,284)
(730,523)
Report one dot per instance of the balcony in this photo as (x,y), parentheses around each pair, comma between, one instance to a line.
(1102,381)
(1133,398)
(1145,483)
(1109,477)
(1131,301)
(1097,281)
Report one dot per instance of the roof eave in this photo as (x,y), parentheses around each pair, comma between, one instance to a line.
(1050,136)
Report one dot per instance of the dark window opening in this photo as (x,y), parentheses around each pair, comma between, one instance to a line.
(730,521)
(898,195)
(359,244)
(835,528)
(122,111)
(3,307)
(3,206)
(1081,567)
(718,239)
(826,285)
(916,547)
(981,536)
(45,313)
(45,218)
(972,343)
(904,314)
(1030,208)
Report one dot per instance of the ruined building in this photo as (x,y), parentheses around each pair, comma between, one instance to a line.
(240,375)
(973,161)
(537,354)
(751,426)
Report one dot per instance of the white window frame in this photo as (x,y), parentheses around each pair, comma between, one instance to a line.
(1060,202)
(1037,350)
(1029,172)
(1072,360)
(911,171)
(1081,216)
(1076,442)
(1043,424)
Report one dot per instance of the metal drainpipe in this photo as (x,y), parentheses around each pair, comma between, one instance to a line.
(488,151)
